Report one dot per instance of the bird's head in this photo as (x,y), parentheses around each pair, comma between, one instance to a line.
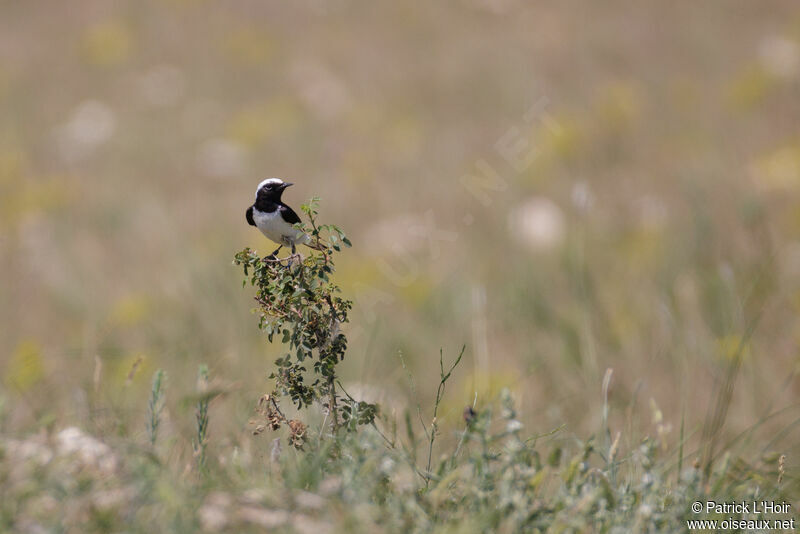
(271,189)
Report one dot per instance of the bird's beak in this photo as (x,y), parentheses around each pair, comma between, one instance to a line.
(286,184)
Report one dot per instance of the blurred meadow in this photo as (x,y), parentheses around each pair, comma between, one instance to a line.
(563,187)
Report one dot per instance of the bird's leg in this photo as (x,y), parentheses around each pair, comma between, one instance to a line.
(274,255)
(294,255)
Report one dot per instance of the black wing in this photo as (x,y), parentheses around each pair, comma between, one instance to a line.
(249,216)
(288,214)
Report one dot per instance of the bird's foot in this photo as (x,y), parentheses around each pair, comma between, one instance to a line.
(274,255)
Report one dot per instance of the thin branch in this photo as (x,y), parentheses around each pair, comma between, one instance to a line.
(275,405)
(332,403)
(439,394)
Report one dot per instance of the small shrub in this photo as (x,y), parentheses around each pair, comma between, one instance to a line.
(301,306)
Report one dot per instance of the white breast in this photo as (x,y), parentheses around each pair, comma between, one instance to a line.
(274,227)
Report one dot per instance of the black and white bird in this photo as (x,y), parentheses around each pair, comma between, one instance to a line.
(275,219)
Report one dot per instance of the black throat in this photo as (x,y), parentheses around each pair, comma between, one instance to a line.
(268,201)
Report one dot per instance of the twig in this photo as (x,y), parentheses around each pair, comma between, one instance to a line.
(439,394)
(332,403)
(275,405)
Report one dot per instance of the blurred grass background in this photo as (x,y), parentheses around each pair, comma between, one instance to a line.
(638,206)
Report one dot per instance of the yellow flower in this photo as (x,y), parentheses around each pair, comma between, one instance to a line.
(249,46)
(20,197)
(25,367)
(561,137)
(130,310)
(107,44)
(733,346)
(257,124)
(750,88)
(620,105)
(779,170)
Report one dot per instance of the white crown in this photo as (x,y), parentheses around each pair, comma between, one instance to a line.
(268,181)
